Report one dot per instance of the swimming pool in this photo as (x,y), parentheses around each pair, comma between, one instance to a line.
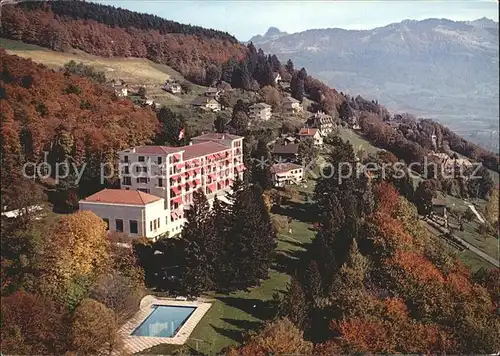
(164,321)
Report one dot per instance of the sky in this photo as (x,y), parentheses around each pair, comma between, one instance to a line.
(245,19)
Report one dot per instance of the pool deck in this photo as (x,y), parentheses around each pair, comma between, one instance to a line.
(133,344)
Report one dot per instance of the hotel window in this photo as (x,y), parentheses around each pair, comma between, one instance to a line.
(126,170)
(107,223)
(160,182)
(158,223)
(141,158)
(119,225)
(125,159)
(154,223)
(137,169)
(127,181)
(133,227)
(144,169)
(144,190)
(142,180)
(159,160)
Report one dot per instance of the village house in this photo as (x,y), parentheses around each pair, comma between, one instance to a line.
(157,184)
(311,133)
(285,152)
(213,93)
(172,87)
(439,207)
(260,111)
(292,105)
(449,165)
(286,173)
(321,121)
(206,103)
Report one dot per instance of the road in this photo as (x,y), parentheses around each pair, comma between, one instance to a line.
(479,217)
(472,248)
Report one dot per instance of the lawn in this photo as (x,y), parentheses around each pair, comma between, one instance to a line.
(233,315)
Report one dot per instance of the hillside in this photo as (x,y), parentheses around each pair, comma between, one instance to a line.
(432,68)
(135,72)
(67,117)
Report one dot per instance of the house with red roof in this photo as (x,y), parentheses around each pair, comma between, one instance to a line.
(132,212)
(171,175)
(311,133)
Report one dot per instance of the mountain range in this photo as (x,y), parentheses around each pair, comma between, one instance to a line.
(437,68)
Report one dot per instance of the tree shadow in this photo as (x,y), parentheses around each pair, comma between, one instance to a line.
(235,335)
(259,309)
(243,324)
(299,211)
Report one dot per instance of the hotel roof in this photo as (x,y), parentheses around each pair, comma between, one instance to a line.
(153,150)
(216,136)
(121,196)
(202,149)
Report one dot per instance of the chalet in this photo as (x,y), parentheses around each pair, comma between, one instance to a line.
(321,121)
(292,105)
(285,152)
(206,103)
(213,93)
(120,90)
(286,173)
(311,133)
(439,207)
(172,87)
(260,111)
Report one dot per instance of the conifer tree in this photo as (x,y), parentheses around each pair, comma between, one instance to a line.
(221,221)
(312,283)
(198,233)
(290,67)
(293,304)
(261,167)
(253,239)
(347,292)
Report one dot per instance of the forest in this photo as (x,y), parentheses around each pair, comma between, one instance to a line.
(52,116)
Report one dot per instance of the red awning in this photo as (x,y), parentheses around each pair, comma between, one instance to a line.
(191,184)
(239,168)
(173,215)
(211,157)
(197,170)
(176,190)
(197,181)
(177,200)
(179,166)
(211,187)
(177,156)
(213,176)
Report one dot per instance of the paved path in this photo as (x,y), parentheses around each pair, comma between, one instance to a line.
(473,208)
(472,248)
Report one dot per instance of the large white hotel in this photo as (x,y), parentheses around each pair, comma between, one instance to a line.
(157,184)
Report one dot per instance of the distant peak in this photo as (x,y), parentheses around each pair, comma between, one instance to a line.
(272,31)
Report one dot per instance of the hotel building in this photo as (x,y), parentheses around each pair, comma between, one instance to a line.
(209,164)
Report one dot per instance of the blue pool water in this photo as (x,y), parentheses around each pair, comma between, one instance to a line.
(164,321)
